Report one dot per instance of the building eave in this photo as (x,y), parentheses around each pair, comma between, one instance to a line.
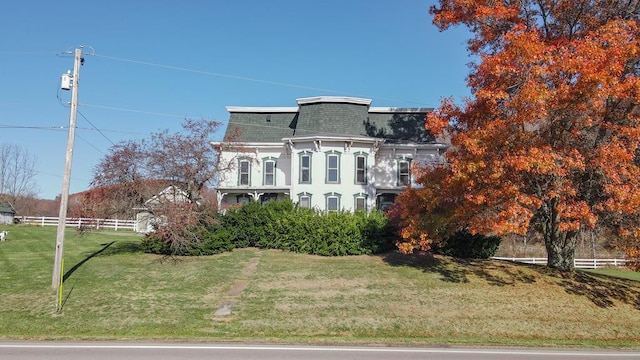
(332,137)
(396,110)
(434,145)
(258,189)
(261,109)
(333,99)
(233,144)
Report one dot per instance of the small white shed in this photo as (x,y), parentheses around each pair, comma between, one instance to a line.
(145,219)
(7,213)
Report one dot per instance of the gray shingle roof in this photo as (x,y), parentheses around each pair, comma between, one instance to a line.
(328,116)
(6,208)
(260,127)
(331,119)
(399,126)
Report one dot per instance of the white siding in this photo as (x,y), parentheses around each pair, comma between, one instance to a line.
(319,187)
(256,156)
(382,171)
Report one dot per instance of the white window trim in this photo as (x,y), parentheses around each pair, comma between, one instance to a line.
(366,180)
(399,174)
(300,156)
(240,173)
(264,171)
(363,197)
(305,195)
(328,155)
(331,195)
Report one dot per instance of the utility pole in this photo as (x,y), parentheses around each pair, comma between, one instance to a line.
(64,197)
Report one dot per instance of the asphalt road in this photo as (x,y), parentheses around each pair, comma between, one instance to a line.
(161,351)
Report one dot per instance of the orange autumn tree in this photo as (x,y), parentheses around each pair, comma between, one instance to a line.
(549,139)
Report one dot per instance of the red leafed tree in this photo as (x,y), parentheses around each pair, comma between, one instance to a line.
(549,139)
(121,182)
(137,171)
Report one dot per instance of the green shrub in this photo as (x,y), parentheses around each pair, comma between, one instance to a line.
(286,226)
(378,232)
(283,225)
(467,246)
(216,242)
(154,244)
(247,224)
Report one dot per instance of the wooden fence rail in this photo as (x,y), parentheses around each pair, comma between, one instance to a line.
(115,224)
(578,263)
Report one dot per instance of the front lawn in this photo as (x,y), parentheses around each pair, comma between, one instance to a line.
(114,291)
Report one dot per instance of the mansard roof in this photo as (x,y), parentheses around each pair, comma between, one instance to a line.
(327,115)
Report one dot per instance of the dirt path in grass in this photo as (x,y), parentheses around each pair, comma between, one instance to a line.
(231,297)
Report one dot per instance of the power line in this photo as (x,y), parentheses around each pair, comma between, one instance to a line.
(110,131)
(54,128)
(90,144)
(21,53)
(210,73)
(58,175)
(244,78)
(63,128)
(98,130)
(132,110)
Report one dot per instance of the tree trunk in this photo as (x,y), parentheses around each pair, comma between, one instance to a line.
(561,250)
(560,245)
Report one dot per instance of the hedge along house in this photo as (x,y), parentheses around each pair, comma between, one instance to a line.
(329,153)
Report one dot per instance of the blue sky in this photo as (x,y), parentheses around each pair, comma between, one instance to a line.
(149,64)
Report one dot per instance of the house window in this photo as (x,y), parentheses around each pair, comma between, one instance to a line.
(332,202)
(404,174)
(269,172)
(333,168)
(361,169)
(243,199)
(305,168)
(360,202)
(386,200)
(244,173)
(304,200)
(268,197)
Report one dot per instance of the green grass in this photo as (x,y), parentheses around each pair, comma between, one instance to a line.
(114,291)
(619,273)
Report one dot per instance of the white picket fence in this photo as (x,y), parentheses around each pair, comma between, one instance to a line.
(115,224)
(578,263)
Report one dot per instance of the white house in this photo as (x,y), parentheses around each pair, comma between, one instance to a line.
(329,153)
